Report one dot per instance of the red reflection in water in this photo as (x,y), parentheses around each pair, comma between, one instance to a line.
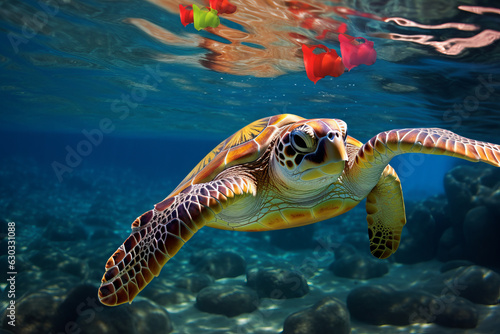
(355,53)
(274,30)
(311,18)
(344,12)
(320,65)
(222,6)
(277,29)
(186,14)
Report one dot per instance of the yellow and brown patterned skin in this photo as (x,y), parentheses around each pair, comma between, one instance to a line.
(158,235)
(281,172)
(386,217)
(384,203)
(243,146)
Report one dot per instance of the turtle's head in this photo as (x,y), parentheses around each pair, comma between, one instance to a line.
(311,152)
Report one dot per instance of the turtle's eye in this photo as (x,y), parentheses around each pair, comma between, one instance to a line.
(303,139)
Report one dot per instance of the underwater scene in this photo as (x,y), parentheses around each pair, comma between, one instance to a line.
(316,167)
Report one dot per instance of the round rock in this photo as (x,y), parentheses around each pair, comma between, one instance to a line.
(167,296)
(194,282)
(327,316)
(33,314)
(277,283)
(104,320)
(382,305)
(140,317)
(227,300)
(81,299)
(219,264)
(478,284)
(150,318)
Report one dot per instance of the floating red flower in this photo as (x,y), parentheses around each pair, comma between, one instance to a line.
(186,13)
(222,6)
(320,65)
(355,53)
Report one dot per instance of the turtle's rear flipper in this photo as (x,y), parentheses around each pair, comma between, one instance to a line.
(158,235)
(386,214)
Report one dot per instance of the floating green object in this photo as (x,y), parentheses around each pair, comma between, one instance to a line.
(205,18)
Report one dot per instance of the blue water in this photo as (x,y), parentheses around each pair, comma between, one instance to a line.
(144,107)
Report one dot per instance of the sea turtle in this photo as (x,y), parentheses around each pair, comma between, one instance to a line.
(279,172)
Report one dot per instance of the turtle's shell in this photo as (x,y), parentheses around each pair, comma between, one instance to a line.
(244,146)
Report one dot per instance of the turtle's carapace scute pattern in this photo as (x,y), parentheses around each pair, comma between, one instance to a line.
(281,172)
(246,134)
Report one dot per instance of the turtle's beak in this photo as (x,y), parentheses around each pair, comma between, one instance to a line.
(336,155)
(329,158)
(335,148)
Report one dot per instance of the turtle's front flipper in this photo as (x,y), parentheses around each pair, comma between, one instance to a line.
(373,156)
(158,234)
(386,214)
